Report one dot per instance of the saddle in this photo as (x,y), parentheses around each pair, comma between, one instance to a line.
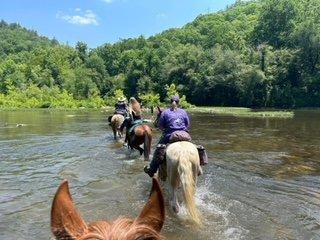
(131,125)
(178,136)
(135,124)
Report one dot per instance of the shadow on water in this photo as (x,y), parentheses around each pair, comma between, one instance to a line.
(262,181)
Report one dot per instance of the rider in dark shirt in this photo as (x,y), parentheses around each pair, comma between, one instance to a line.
(133,115)
(121,107)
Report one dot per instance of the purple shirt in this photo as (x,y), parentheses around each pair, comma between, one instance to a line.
(171,120)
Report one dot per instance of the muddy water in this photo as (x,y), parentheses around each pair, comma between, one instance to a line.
(262,180)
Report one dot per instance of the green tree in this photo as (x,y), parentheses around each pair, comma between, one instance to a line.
(276,22)
(150,100)
(82,50)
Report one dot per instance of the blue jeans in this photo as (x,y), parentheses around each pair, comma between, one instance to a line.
(155,162)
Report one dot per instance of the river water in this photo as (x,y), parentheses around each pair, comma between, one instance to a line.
(262,180)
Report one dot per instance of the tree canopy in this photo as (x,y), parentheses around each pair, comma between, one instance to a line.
(263,53)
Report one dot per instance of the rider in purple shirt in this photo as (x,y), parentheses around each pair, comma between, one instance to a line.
(171,120)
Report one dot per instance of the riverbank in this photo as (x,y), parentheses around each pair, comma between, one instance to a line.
(244,112)
(223,111)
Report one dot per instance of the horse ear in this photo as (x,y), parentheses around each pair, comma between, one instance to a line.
(153,213)
(66,222)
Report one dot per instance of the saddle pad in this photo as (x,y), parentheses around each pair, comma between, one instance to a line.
(136,123)
(179,136)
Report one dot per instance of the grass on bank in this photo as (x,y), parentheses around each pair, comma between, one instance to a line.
(243,112)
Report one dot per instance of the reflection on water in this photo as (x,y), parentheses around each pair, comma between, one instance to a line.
(262,181)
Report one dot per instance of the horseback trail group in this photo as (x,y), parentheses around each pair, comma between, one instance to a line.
(177,160)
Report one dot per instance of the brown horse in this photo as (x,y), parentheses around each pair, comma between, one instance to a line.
(142,134)
(116,121)
(67,223)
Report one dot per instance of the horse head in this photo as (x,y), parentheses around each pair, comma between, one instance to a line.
(67,223)
(156,121)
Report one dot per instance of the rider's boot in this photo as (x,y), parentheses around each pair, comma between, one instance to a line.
(202,155)
(158,158)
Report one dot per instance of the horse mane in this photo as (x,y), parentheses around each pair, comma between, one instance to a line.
(156,121)
(122,229)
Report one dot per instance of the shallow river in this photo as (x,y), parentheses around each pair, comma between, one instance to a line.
(262,180)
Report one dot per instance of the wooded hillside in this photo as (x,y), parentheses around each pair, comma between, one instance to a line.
(253,54)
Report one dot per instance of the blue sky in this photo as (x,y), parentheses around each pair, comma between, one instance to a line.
(104,21)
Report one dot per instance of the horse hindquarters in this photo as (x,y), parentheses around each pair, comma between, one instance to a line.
(116,122)
(141,135)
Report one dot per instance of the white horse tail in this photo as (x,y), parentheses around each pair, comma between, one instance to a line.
(188,187)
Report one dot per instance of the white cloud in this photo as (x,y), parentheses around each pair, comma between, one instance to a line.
(83,18)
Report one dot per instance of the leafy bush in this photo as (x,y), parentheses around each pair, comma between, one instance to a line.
(35,97)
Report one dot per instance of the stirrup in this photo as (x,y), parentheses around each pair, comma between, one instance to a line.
(147,170)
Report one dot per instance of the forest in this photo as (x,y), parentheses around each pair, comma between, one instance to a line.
(257,54)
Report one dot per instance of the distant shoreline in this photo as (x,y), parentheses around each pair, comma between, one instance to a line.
(220,111)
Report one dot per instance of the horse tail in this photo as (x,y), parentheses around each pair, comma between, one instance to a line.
(147,145)
(188,187)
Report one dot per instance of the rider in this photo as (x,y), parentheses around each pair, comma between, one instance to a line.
(134,114)
(134,109)
(171,120)
(121,106)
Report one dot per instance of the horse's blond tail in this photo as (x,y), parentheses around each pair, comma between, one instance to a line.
(188,188)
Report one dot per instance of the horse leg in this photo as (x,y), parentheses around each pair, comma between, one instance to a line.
(119,134)
(140,149)
(200,171)
(176,206)
(114,133)
(173,185)
(174,198)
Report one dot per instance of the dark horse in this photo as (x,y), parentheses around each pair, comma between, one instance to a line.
(67,223)
(141,134)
